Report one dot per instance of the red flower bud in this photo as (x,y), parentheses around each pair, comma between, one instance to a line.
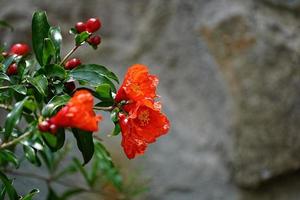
(53,128)
(92,25)
(72,63)
(44,126)
(78,113)
(80,27)
(19,49)
(70,86)
(95,40)
(12,69)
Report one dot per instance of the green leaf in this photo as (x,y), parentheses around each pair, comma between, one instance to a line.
(56,37)
(52,195)
(4,77)
(48,157)
(54,70)
(30,105)
(85,144)
(94,75)
(40,83)
(21,89)
(81,38)
(2,192)
(107,167)
(117,130)
(21,69)
(54,104)
(55,142)
(6,25)
(13,117)
(104,92)
(8,61)
(40,30)
(70,193)
(114,115)
(8,156)
(30,194)
(82,170)
(48,51)
(31,155)
(73,31)
(12,193)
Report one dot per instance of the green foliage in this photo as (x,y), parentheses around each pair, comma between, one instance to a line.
(35,94)
(94,75)
(40,30)
(85,144)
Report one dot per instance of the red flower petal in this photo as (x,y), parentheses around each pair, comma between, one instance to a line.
(78,113)
(138,84)
(142,128)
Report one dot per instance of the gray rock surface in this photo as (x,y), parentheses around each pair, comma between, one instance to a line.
(229,76)
(258,55)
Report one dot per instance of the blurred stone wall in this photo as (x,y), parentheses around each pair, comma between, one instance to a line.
(229,81)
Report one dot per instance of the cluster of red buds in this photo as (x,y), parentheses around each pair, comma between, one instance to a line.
(19,49)
(91,26)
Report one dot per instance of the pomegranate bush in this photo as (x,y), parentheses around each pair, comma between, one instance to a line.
(52,95)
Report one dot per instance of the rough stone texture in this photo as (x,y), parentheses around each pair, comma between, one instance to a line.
(289,4)
(229,80)
(259,56)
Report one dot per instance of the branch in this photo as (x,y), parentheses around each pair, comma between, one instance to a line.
(69,54)
(109,108)
(50,179)
(6,107)
(18,139)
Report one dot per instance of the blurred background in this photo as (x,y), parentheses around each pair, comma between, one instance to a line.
(229,83)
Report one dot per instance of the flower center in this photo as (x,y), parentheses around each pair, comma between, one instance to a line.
(136,88)
(144,117)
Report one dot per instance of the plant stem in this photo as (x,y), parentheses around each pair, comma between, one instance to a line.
(6,107)
(4,87)
(49,180)
(109,108)
(12,142)
(69,54)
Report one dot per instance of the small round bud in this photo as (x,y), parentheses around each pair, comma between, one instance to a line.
(80,27)
(12,69)
(72,63)
(95,40)
(70,86)
(19,49)
(53,128)
(92,25)
(44,126)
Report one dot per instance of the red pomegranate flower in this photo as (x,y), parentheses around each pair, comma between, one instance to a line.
(142,126)
(78,113)
(138,85)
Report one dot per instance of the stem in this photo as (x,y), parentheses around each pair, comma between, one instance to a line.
(109,108)
(6,107)
(4,87)
(12,142)
(69,54)
(48,180)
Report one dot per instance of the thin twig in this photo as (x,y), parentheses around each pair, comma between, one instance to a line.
(12,142)
(6,107)
(4,87)
(69,54)
(50,180)
(97,138)
(109,108)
